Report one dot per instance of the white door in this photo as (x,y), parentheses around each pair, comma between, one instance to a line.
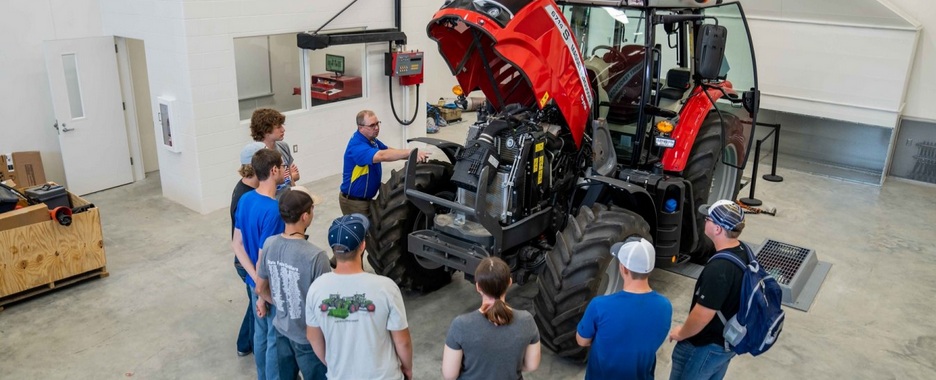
(89,116)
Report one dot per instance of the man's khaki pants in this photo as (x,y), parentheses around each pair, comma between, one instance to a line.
(350,206)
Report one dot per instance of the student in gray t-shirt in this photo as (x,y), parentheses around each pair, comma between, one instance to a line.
(495,342)
(288,264)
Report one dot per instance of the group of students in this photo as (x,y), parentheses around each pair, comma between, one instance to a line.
(344,323)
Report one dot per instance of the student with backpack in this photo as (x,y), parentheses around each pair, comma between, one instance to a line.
(731,275)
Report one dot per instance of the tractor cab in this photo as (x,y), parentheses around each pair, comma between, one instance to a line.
(646,61)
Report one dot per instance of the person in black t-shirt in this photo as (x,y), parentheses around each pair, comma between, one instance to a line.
(247,183)
(701,351)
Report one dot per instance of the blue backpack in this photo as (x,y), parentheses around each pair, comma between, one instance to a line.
(760,319)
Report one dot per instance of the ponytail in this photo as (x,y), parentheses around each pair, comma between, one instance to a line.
(499,314)
(493,278)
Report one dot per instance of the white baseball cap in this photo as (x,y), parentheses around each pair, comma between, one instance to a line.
(636,253)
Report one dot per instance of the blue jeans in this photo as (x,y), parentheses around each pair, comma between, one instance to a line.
(700,363)
(295,358)
(245,335)
(265,342)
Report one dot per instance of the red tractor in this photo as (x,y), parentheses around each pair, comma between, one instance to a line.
(605,120)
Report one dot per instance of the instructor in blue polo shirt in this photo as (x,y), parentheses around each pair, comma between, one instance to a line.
(360,179)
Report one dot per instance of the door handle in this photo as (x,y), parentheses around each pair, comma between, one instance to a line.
(66,129)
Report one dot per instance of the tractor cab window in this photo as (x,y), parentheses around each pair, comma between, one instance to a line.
(613,45)
(737,73)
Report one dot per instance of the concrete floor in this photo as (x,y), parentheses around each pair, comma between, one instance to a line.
(172,305)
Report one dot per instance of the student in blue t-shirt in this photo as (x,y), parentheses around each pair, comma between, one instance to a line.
(257,218)
(361,176)
(625,329)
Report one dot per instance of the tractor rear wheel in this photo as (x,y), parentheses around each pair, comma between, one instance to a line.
(393,218)
(711,178)
(579,268)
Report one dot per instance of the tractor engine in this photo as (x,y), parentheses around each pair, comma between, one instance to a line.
(524,154)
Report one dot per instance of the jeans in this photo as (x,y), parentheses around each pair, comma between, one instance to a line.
(295,357)
(704,362)
(265,342)
(245,336)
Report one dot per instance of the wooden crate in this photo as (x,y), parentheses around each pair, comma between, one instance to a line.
(39,257)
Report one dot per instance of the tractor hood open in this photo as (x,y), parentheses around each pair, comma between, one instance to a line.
(515,51)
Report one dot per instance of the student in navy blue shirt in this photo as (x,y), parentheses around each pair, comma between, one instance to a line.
(361,176)
(625,329)
(257,218)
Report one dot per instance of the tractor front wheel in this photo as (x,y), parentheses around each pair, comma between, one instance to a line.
(578,268)
(393,218)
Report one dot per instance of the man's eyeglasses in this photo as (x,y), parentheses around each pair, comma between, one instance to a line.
(374,125)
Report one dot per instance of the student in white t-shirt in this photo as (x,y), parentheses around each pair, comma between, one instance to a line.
(356,320)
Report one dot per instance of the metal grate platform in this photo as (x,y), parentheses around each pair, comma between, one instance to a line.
(782,260)
(797,269)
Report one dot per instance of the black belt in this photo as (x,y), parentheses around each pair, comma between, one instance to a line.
(346,196)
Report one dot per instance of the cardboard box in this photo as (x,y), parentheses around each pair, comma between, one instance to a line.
(28,168)
(7,172)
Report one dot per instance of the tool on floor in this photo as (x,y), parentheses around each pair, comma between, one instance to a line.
(757,210)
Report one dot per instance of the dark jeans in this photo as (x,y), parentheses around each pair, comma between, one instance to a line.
(245,335)
(294,358)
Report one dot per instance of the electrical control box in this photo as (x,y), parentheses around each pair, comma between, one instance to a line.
(408,66)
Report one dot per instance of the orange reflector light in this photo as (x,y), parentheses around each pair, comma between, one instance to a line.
(457,90)
(665,126)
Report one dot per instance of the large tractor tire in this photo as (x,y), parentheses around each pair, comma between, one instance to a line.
(711,178)
(579,268)
(393,218)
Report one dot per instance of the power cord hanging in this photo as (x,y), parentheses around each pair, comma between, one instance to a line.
(393,107)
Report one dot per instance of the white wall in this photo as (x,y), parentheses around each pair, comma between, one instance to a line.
(921,95)
(841,59)
(161,26)
(27,103)
(320,133)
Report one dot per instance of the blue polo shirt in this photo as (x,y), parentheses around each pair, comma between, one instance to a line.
(361,175)
(257,217)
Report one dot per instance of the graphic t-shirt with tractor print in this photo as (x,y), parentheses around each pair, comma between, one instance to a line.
(356,313)
(341,307)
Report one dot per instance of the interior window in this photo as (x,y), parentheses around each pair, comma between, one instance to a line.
(268,69)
